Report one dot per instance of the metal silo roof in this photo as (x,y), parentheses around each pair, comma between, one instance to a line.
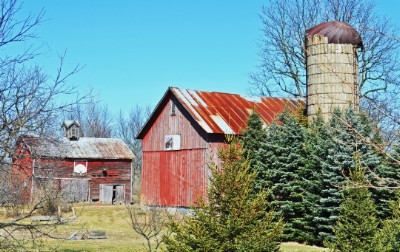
(337,33)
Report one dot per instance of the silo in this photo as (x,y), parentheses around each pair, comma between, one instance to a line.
(331,49)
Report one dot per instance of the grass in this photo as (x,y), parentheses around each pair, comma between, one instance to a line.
(110,218)
(120,236)
(296,247)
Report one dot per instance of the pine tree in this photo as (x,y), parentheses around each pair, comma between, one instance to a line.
(357,225)
(233,218)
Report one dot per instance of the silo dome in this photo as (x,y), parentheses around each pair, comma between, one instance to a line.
(337,33)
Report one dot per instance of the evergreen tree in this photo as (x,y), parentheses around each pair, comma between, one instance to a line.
(282,168)
(317,145)
(396,156)
(304,165)
(357,224)
(385,176)
(233,218)
(385,179)
(388,238)
(348,133)
(253,137)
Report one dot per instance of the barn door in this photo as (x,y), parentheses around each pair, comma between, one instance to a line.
(112,193)
(106,193)
(119,194)
(74,190)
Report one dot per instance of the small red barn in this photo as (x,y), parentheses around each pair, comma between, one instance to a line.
(183,135)
(83,168)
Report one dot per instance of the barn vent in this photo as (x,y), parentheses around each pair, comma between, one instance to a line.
(173,109)
(71,129)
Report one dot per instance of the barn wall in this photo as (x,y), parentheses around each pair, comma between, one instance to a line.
(216,142)
(176,178)
(179,177)
(118,173)
(21,174)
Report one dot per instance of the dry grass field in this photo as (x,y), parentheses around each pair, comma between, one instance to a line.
(113,219)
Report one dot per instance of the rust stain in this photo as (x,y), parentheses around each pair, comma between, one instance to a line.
(223,111)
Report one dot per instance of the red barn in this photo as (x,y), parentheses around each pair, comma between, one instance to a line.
(83,168)
(183,135)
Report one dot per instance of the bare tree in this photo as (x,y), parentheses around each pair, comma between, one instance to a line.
(150,224)
(30,103)
(15,30)
(95,118)
(128,126)
(282,52)
(5,174)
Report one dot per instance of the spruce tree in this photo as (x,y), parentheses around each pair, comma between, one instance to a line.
(233,217)
(282,168)
(388,237)
(385,179)
(317,146)
(357,225)
(253,137)
(348,133)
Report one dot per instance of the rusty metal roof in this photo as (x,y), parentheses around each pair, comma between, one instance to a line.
(223,113)
(84,148)
(337,33)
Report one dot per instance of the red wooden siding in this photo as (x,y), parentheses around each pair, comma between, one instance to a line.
(21,174)
(174,179)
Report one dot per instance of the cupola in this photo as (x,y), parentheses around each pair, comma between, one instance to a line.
(71,129)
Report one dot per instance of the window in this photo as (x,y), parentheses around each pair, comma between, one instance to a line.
(172,142)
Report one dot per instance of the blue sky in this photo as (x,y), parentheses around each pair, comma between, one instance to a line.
(133,50)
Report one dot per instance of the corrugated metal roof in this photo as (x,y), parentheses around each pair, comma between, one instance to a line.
(337,33)
(84,148)
(224,113)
